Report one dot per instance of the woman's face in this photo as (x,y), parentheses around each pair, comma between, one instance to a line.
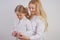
(19,15)
(32,8)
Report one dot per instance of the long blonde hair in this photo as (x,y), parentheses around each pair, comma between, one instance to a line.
(41,13)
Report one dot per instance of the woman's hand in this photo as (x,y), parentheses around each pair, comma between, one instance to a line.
(14,33)
(23,37)
(19,35)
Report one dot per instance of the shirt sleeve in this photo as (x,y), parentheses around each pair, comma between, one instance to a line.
(29,29)
(39,31)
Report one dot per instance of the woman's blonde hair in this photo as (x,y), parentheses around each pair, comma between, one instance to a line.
(41,13)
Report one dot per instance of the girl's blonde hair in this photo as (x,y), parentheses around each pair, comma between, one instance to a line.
(41,13)
(22,9)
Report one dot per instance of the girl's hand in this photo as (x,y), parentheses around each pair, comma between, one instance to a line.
(19,35)
(14,33)
(23,37)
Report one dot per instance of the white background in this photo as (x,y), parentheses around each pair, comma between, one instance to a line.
(7,17)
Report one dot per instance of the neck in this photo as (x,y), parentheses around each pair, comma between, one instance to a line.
(22,18)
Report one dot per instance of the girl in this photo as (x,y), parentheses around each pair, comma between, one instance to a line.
(23,26)
(38,19)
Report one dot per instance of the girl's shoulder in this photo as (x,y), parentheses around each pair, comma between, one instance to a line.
(27,21)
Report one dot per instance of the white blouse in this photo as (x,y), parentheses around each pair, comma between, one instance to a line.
(24,26)
(38,28)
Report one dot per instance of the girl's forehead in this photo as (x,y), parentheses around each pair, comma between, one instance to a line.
(18,13)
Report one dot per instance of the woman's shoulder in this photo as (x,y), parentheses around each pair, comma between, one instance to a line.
(39,19)
(36,19)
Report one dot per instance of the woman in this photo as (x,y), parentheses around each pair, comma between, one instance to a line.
(38,19)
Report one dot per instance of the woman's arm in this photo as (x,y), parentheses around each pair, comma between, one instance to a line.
(39,31)
(29,29)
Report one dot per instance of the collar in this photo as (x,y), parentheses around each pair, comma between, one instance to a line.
(34,17)
(22,19)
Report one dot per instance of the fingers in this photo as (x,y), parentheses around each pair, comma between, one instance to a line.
(19,35)
(14,33)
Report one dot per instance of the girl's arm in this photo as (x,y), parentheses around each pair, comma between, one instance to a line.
(14,29)
(28,33)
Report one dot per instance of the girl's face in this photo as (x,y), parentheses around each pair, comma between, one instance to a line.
(19,15)
(32,8)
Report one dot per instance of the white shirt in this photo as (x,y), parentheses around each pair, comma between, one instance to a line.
(38,28)
(24,26)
